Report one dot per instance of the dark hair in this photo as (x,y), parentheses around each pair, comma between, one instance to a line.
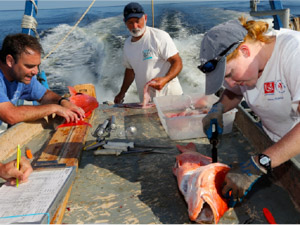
(17,44)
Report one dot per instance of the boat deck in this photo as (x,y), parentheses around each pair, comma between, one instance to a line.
(141,188)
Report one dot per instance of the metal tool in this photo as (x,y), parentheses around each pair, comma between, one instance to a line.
(101,129)
(118,152)
(214,142)
(50,163)
(113,123)
(122,145)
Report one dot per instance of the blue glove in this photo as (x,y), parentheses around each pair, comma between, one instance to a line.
(213,117)
(240,179)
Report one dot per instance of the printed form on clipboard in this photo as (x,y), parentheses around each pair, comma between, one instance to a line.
(37,200)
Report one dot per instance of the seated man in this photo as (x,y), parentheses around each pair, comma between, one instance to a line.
(20,58)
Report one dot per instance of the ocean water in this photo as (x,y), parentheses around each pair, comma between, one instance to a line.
(93,51)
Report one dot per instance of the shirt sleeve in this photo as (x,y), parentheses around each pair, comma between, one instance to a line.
(3,94)
(292,74)
(126,62)
(167,46)
(34,91)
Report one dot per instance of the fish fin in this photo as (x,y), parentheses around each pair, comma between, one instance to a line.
(190,147)
(74,124)
(269,216)
(72,90)
(87,114)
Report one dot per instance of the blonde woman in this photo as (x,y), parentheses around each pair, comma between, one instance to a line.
(264,70)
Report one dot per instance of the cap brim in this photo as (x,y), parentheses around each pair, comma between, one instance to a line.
(215,79)
(134,15)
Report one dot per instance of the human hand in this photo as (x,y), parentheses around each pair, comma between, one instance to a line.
(158,83)
(74,108)
(10,172)
(119,98)
(69,115)
(239,180)
(214,116)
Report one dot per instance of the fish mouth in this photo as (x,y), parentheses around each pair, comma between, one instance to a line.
(206,215)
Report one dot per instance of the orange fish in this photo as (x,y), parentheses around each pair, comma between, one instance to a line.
(200,182)
(86,102)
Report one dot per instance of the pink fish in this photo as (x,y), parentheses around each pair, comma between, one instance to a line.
(147,96)
(86,102)
(200,182)
(187,112)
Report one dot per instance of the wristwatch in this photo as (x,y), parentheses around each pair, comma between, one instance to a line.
(265,162)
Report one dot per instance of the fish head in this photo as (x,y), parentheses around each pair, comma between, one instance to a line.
(86,102)
(200,181)
(205,201)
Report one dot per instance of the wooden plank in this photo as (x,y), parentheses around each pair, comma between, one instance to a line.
(19,135)
(66,146)
(58,216)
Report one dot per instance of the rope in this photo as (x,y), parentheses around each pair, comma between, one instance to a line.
(29,22)
(152,13)
(73,28)
(35,6)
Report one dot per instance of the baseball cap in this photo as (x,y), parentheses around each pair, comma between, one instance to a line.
(218,43)
(133,9)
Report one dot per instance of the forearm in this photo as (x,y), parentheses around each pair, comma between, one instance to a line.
(127,81)
(286,148)
(28,113)
(175,68)
(50,97)
(230,100)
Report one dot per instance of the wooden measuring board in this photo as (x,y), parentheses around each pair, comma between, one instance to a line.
(66,145)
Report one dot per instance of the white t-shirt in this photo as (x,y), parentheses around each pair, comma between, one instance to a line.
(276,95)
(148,58)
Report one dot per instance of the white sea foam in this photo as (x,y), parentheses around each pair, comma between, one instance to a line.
(93,54)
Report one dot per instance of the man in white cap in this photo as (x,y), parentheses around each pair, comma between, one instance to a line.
(149,55)
(263,70)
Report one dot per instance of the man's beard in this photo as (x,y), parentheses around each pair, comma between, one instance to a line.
(137,32)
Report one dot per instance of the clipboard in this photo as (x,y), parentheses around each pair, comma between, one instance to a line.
(37,200)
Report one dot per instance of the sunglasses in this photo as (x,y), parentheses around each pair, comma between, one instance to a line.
(211,65)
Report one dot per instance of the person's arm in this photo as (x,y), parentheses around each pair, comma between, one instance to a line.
(230,100)
(227,101)
(51,97)
(286,148)
(127,81)
(240,181)
(175,68)
(12,114)
(9,172)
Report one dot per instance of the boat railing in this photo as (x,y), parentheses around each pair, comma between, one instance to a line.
(281,15)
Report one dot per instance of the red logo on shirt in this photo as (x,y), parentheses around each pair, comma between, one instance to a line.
(269,87)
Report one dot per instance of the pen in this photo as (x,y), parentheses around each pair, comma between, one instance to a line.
(18,163)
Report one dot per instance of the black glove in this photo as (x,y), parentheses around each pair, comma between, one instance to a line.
(214,116)
(240,179)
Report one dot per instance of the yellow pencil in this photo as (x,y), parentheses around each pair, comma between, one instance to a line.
(18,163)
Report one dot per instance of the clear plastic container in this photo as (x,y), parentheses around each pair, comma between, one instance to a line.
(188,127)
